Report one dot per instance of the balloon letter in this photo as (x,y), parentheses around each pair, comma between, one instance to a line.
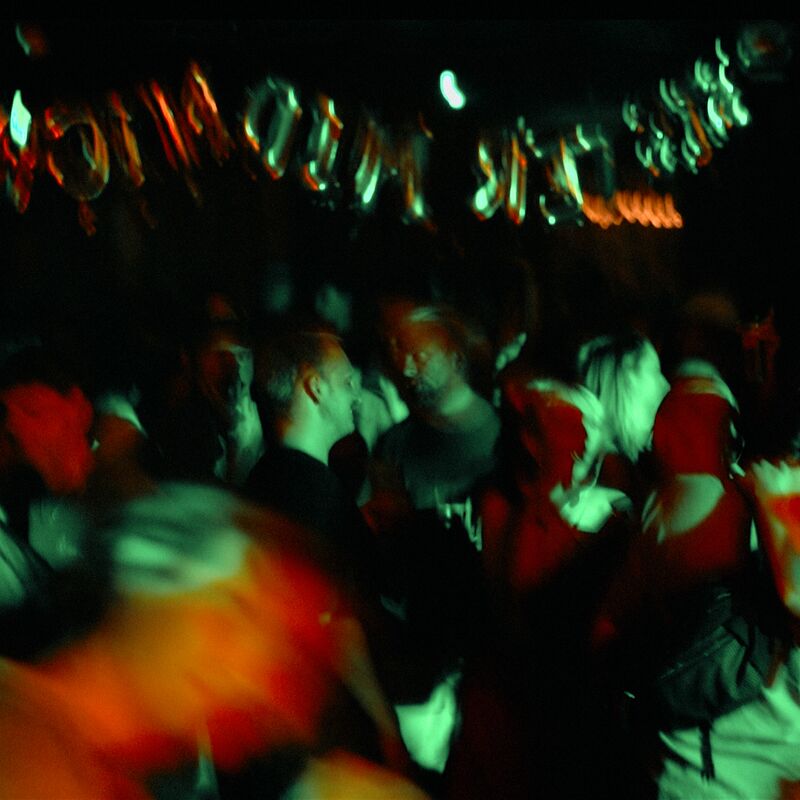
(123,142)
(368,175)
(17,162)
(80,166)
(202,115)
(322,147)
(270,123)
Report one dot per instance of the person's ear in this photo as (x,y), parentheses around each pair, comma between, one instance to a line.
(312,386)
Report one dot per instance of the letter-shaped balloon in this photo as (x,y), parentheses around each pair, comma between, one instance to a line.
(123,141)
(562,203)
(83,171)
(322,148)
(270,123)
(591,144)
(167,122)
(17,163)
(178,146)
(489,196)
(411,161)
(201,113)
(515,163)
(369,152)
(506,176)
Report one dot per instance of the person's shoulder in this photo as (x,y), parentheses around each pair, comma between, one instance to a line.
(268,471)
(489,413)
(393,441)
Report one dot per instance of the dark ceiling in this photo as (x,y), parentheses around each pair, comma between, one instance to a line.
(554,72)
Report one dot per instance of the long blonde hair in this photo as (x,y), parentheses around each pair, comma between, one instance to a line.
(605,365)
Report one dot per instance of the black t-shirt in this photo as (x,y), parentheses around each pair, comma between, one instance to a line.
(441,464)
(311,494)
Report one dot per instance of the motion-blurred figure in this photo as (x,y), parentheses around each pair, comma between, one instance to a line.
(624,372)
(701,636)
(224,666)
(446,444)
(44,452)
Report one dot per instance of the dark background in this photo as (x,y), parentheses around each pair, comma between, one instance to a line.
(141,272)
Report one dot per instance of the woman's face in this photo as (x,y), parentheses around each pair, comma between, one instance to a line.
(646,388)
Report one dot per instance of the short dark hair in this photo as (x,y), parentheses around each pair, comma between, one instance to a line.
(280,364)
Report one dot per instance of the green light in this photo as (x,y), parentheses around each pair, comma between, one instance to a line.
(571,173)
(645,156)
(512,194)
(20,123)
(740,113)
(23,42)
(698,74)
(689,157)
(666,96)
(677,95)
(489,196)
(630,115)
(448,86)
(582,140)
(657,132)
(721,54)
(427,728)
(367,178)
(668,159)
(545,211)
(322,146)
(690,139)
(715,119)
(744,56)
(723,79)
(418,210)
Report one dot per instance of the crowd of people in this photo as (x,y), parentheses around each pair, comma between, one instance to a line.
(274,565)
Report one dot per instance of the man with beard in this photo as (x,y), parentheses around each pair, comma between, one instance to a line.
(447,442)
(424,472)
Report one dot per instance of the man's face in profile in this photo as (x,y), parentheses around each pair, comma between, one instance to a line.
(342,390)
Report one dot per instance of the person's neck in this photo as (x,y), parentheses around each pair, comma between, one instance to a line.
(307,441)
(456,409)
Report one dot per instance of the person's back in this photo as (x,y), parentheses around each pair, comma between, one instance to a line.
(706,675)
(305,385)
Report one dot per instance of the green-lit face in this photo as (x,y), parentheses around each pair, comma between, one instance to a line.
(339,393)
(426,362)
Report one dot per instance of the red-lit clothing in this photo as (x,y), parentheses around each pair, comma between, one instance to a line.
(697,536)
(217,637)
